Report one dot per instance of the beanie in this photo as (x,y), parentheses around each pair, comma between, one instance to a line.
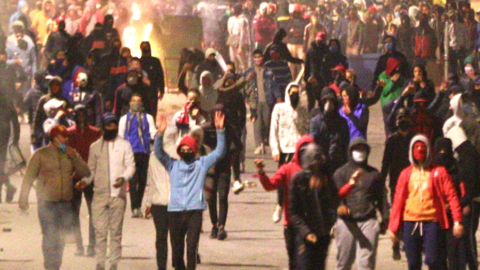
(188,141)
(392,64)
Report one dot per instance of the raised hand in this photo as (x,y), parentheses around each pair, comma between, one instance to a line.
(161,123)
(259,165)
(219,120)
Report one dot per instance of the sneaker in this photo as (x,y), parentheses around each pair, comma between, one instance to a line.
(277,214)
(222,234)
(214,233)
(238,187)
(259,150)
(79,252)
(100,267)
(139,213)
(10,193)
(397,256)
(134,213)
(91,251)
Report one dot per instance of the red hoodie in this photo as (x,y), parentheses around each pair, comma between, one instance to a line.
(284,175)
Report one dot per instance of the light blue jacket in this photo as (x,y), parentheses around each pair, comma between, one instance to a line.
(187,181)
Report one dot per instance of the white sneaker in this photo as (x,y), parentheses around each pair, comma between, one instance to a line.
(259,150)
(238,187)
(277,214)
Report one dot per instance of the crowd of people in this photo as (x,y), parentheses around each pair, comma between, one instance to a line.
(97,129)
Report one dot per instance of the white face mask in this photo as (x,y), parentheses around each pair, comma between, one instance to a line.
(359,156)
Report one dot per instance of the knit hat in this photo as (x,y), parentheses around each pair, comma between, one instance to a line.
(372,9)
(457,135)
(469,60)
(58,130)
(188,141)
(443,144)
(108,118)
(392,64)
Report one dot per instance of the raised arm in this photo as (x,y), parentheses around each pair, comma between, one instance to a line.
(220,150)
(160,153)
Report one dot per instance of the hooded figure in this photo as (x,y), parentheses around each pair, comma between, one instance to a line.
(330,131)
(282,48)
(312,207)
(390,52)
(33,95)
(422,191)
(289,121)
(362,191)
(83,93)
(154,69)
(355,112)
(264,27)
(57,41)
(317,70)
(210,64)
(22,11)
(133,83)
(456,105)
(209,94)
(406,37)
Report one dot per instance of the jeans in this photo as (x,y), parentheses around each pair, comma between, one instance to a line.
(55,221)
(356,239)
(289,234)
(418,236)
(471,225)
(160,219)
(77,204)
(311,256)
(261,127)
(139,180)
(221,186)
(185,224)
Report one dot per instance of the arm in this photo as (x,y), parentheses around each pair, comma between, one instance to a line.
(160,153)
(122,126)
(275,182)
(92,165)
(81,168)
(381,198)
(150,186)
(296,208)
(33,168)
(129,163)
(451,196)
(345,191)
(181,83)
(151,126)
(369,101)
(219,151)
(273,138)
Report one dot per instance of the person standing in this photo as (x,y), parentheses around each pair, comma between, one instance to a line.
(82,137)
(138,128)
(54,192)
(112,164)
(187,194)
(154,69)
(239,38)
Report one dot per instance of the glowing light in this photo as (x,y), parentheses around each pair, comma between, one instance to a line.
(136,12)
(148,31)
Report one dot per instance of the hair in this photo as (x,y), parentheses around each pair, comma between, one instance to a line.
(136,95)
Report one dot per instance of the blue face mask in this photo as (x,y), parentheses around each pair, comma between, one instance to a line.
(389,46)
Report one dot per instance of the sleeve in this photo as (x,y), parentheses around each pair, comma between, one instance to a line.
(345,191)
(181,83)
(398,203)
(387,158)
(92,165)
(275,182)
(151,126)
(381,198)
(122,126)
(160,153)
(15,125)
(129,163)
(296,208)
(81,168)
(274,141)
(33,168)
(450,195)
(377,93)
(149,186)
(219,151)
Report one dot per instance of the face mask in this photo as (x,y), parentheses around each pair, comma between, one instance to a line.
(444,159)
(328,107)
(62,146)
(110,134)
(404,125)
(389,46)
(359,156)
(317,167)
(136,106)
(82,80)
(419,154)
(467,69)
(294,99)
(132,80)
(333,49)
(187,157)
(59,62)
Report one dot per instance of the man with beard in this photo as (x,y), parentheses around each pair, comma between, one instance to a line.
(330,131)
(112,164)
(154,69)
(317,74)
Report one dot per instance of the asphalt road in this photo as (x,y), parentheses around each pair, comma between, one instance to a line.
(254,241)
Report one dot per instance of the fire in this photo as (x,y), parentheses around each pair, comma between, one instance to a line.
(136,12)
(148,31)
(130,33)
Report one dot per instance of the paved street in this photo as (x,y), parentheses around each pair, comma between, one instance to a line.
(253,242)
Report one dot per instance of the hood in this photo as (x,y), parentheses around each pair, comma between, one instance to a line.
(355,142)
(188,141)
(420,138)
(263,8)
(287,96)
(58,79)
(39,77)
(312,153)
(328,92)
(334,40)
(305,139)
(20,5)
(456,104)
(279,35)
(206,74)
(210,51)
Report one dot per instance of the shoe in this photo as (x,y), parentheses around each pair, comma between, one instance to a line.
(214,233)
(113,266)
(260,150)
(222,234)
(238,187)
(139,213)
(277,214)
(79,252)
(396,252)
(100,267)
(91,251)
(10,193)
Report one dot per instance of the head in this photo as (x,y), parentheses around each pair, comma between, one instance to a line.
(359,150)
(18,29)
(275,52)
(116,44)
(135,63)
(403,121)
(60,24)
(334,46)
(108,22)
(350,96)
(55,85)
(419,73)
(197,134)
(389,43)
(321,37)
(420,151)
(469,70)
(134,78)
(257,57)
(393,68)
(146,48)
(237,9)
(229,80)
(109,126)
(59,137)
(443,152)
(329,101)
(187,149)
(193,96)
(294,94)
(350,76)
(136,103)
(82,79)
(313,159)
(47,6)
(263,8)
(231,67)
(206,79)
(80,115)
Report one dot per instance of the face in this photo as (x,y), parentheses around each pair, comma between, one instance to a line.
(60,55)
(417,73)
(249,4)
(211,56)
(135,100)
(192,97)
(258,59)
(24,9)
(185,149)
(345,98)
(55,87)
(81,117)
(231,68)
(469,70)
(48,6)
(275,55)
(136,65)
(389,17)
(420,151)
(82,79)
(19,35)
(61,139)
(293,90)
(349,76)
(111,126)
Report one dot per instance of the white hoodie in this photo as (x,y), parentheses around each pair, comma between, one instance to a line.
(457,107)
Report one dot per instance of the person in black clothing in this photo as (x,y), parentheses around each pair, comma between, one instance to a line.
(96,40)
(317,74)
(110,32)
(154,69)
(56,41)
(133,84)
(391,51)
(282,47)
(335,56)
(313,203)
(33,95)
(73,50)
(330,131)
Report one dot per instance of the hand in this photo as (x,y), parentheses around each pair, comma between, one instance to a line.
(312,79)
(343,210)
(161,123)
(187,67)
(219,120)
(466,210)
(276,157)
(393,237)
(80,185)
(253,119)
(356,175)
(239,51)
(458,230)
(279,100)
(71,153)
(312,238)
(18,61)
(444,86)
(409,89)
(381,83)
(346,110)
(119,182)
(259,165)
(148,211)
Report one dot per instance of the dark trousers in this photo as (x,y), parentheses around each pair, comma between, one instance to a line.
(289,234)
(219,192)
(311,256)
(284,158)
(160,219)
(470,224)
(452,250)
(139,180)
(313,94)
(424,236)
(185,224)
(55,221)
(77,204)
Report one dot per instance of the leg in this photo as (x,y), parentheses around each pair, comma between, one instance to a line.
(134,182)
(212,184)
(48,216)
(115,216)
(76,205)
(366,253)
(194,227)
(431,233)
(177,230)
(266,115)
(223,190)
(345,242)
(88,194)
(64,226)
(100,222)
(160,219)
(257,127)
(318,253)
(289,234)
(142,179)
(413,245)
(471,226)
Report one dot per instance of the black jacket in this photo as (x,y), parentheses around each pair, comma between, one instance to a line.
(395,157)
(316,64)
(469,171)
